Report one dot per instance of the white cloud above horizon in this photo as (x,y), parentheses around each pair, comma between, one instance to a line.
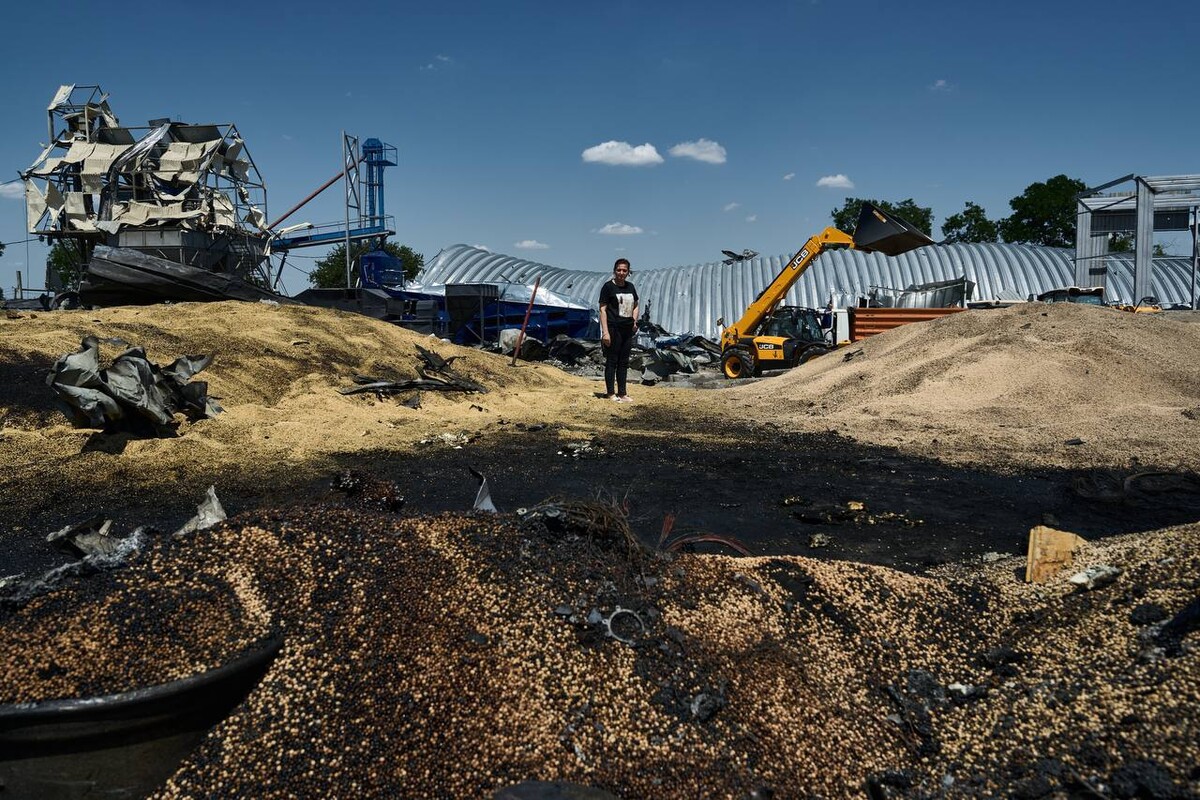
(438,60)
(622,154)
(752,218)
(531,244)
(701,150)
(731,206)
(13,191)
(838,181)
(619,229)
(941,85)
(789,176)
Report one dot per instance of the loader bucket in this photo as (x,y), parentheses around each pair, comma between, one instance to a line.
(880,232)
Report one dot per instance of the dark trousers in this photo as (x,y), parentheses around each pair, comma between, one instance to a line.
(616,356)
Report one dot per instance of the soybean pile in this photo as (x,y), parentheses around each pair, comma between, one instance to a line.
(456,654)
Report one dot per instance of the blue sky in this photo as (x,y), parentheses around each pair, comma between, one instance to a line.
(747,122)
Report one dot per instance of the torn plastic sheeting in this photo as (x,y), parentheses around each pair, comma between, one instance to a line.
(483,498)
(208,513)
(133,393)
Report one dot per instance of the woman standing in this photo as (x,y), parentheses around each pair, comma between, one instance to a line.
(618,324)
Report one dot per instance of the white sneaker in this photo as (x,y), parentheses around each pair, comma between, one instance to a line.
(612,397)
(624,398)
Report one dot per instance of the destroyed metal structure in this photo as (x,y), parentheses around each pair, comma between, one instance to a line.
(691,299)
(187,194)
(1164,203)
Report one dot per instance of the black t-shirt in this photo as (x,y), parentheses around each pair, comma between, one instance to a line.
(620,302)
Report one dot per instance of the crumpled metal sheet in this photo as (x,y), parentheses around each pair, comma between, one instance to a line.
(131,394)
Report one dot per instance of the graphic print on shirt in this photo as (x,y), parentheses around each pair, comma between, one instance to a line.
(624,304)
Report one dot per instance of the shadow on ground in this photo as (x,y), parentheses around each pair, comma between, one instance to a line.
(779,493)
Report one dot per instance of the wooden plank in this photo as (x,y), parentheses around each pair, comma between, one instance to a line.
(1049,551)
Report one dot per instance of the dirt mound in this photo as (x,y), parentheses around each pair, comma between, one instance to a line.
(1013,385)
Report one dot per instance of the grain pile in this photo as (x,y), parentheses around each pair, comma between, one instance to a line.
(453,655)
(1010,386)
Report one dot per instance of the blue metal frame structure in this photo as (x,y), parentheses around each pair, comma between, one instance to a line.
(364,197)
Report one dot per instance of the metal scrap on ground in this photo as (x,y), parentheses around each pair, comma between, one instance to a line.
(133,393)
(435,374)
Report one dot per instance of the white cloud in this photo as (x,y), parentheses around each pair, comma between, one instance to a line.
(622,154)
(941,85)
(789,176)
(701,150)
(619,229)
(838,181)
(752,218)
(438,60)
(731,206)
(13,191)
(530,244)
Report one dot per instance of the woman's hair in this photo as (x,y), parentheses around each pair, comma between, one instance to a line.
(621,261)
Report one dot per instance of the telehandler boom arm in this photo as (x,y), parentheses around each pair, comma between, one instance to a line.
(771,296)
(876,232)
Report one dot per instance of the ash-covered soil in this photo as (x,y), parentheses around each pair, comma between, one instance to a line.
(869,646)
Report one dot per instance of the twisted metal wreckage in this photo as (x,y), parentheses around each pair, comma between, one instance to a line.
(168,211)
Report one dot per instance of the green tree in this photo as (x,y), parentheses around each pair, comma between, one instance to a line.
(970,225)
(1123,243)
(846,217)
(1044,213)
(66,261)
(330,271)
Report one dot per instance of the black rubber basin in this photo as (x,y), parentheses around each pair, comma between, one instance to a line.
(120,745)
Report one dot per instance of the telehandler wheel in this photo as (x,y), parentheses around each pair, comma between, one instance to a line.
(811,353)
(737,364)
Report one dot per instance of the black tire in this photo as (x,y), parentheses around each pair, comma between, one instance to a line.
(811,353)
(66,300)
(738,363)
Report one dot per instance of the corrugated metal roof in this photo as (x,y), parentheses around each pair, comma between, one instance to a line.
(691,299)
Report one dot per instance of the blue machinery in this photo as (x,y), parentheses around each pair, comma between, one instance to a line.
(467,313)
(364,201)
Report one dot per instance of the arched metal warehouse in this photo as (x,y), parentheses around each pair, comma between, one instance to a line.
(691,299)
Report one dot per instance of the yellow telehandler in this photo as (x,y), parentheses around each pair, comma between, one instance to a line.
(770,336)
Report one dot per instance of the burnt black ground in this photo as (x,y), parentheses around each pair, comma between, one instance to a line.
(739,480)
(938,513)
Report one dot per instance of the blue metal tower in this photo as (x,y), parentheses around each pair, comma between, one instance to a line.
(366,217)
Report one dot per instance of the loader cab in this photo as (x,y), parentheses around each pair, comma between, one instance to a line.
(793,322)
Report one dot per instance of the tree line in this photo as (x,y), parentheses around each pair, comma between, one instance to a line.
(1044,214)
